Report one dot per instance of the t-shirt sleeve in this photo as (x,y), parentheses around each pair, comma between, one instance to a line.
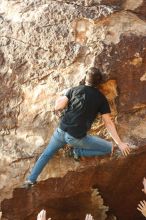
(68,93)
(104,107)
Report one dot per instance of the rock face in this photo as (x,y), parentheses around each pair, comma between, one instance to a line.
(119,182)
(45,48)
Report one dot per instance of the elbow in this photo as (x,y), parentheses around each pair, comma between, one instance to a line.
(61,103)
(58,106)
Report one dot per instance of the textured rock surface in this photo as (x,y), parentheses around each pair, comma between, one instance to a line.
(73,207)
(119,182)
(45,46)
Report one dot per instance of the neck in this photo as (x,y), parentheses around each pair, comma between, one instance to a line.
(88,84)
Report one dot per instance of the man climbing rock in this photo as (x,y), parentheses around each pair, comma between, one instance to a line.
(81,105)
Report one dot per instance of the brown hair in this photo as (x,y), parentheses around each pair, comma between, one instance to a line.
(93,77)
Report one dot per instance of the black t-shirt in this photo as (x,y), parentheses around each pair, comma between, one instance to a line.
(85,102)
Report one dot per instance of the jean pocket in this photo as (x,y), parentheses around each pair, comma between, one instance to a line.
(70,139)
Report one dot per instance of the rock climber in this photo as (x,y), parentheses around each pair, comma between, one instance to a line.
(81,104)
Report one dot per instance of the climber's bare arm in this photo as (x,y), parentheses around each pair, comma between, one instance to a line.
(61,103)
(113,132)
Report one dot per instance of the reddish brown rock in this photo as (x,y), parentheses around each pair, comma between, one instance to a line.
(118,180)
(126,62)
(141,10)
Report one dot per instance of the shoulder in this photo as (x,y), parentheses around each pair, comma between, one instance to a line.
(102,97)
(73,91)
(101,94)
(78,88)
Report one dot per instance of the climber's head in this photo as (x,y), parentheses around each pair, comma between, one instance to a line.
(93,77)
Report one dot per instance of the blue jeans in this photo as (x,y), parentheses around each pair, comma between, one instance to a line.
(87,146)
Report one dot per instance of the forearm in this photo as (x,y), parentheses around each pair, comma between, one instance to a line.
(61,103)
(113,132)
(58,105)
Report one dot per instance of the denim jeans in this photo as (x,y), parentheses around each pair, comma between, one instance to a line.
(87,146)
